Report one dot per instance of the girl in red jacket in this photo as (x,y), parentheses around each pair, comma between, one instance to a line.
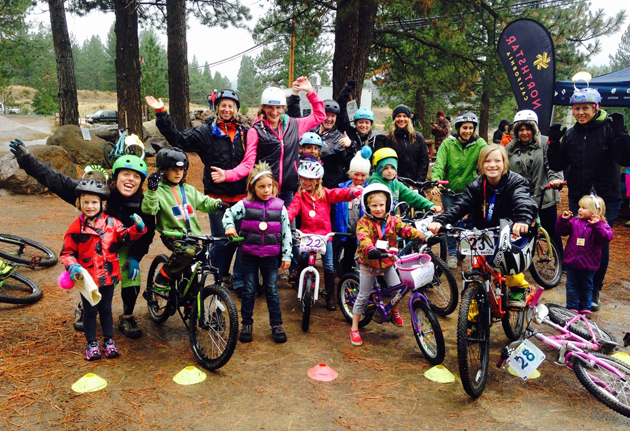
(92,242)
(312,202)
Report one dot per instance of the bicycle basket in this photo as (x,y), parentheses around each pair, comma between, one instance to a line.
(415,270)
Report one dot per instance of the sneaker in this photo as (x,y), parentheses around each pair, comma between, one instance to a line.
(452,262)
(245,335)
(129,327)
(396,318)
(92,351)
(586,313)
(516,298)
(279,336)
(226,281)
(293,277)
(355,338)
(161,282)
(110,350)
(595,305)
(78,318)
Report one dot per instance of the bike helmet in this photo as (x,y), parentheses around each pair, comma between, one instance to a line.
(171,157)
(311,169)
(311,138)
(585,95)
(466,117)
(526,115)
(228,94)
(273,96)
(374,188)
(332,106)
(512,257)
(133,163)
(364,114)
(93,187)
(383,157)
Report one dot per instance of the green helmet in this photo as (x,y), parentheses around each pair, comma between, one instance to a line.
(133,163)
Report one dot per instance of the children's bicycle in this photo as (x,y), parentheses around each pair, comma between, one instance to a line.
(604,377)
(209,312)
(124,145)
(27,252)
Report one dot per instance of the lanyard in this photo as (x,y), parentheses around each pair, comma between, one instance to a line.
(490,207)
(184,207)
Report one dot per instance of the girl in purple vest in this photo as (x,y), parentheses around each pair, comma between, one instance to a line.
(265,227)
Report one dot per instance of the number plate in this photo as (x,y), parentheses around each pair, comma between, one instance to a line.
(423,225)
(526,359)
(313,243)
(471,244)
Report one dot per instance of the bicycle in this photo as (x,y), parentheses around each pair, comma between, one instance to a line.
(124,145)
(604,377)
(425,325)
(26,252)
(16,288)
(208,307)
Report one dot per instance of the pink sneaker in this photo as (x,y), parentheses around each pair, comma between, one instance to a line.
(396,318)
(110,350)
(355,338)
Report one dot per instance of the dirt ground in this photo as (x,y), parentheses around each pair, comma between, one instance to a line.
(265,386)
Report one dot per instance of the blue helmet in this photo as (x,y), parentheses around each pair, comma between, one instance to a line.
(312,139)
(586,95)
(364,114)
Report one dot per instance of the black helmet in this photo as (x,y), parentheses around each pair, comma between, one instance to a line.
(93,187)
(332,106)
(228,94)
(171,157)
(466,117)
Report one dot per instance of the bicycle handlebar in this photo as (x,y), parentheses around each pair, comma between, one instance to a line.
(328,235)
(551,186)
(208,238)
(424,184)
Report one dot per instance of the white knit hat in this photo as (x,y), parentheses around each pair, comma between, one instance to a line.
(361,161)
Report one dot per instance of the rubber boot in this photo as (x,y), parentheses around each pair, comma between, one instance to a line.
(329,284)
(294,278)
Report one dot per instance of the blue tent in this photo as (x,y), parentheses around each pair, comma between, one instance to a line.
(614,88)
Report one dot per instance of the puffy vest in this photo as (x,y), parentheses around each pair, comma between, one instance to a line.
(258,242)
(283,162)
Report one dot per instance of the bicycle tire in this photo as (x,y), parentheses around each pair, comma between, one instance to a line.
(438,243)
(429,335)
(18,289)
(158,303)
(307,300)
(338,255)
(473,364)
(214,350)
(546,271)
(109,149)
(26,251)
(513,323)
(347,293)
(135,150)
(442,293)
(561,315)
(616,393)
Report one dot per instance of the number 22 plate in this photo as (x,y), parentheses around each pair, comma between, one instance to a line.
(526,359)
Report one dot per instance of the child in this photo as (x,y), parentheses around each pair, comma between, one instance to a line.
(377,224)
(312,202)
(386,164)
(265,227)
(174,202)
(92,242)
(347,214)
(311,145)
(588,233)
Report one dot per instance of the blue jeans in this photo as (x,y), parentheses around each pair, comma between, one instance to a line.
(612,211)
(268,267)
(221,252)
(579,289)
(447,202)
(327,259)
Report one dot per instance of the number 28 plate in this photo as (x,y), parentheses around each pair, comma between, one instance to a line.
(526,359)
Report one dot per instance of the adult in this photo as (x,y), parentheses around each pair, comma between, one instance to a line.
(337,150)
(220,143)
(527,154)
(456,162)
(125,199)
(498,134)
(362,133)
(213,99)
(413,155)
(594,148)
(440,130)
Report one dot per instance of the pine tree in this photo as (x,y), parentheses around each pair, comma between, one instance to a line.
(621,58)
(248,82)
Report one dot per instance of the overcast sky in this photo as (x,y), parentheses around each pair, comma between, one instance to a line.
(215,44)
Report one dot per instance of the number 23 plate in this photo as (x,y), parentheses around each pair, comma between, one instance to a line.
(470,244)
(526,359)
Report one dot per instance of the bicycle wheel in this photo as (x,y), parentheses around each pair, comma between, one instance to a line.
(338,254)
(26,251)
(135,150)
(561,315)
(17,289)
(439,246)
(512,323)
(307,300)
(609,388)
(473,340)
(546,270)
(109,154)
(442,293)
(157,299)
(429,333)
(348,291)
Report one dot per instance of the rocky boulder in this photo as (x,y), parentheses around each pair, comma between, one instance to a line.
(81,151)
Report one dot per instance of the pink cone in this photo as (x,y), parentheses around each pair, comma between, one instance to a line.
(322,373)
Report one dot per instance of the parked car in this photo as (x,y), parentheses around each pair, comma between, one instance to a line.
(102,116)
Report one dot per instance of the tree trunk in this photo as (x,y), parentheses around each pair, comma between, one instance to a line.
(128,66)
(420,107)
(485,115)
(67,92)
(178,91)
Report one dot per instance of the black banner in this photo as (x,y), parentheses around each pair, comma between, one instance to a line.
(526,50)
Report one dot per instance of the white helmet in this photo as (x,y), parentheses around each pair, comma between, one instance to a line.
(526,115)
(273,96)
(311,169)
(374,188)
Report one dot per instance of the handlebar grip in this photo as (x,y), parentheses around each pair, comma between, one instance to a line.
(235,239)
(442,182)
(177,235)
(500,362)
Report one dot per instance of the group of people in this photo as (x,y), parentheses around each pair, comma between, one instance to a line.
(260,182)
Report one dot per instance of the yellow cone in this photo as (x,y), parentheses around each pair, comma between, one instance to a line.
(534,375)
(623,357)
(189,376)
(439,374)
(89,383)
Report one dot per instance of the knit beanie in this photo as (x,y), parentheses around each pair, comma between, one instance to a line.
(361,161)
(386,161)
(401,109)
(439,114)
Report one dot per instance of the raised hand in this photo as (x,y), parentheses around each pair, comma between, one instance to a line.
(154,181)
(154,103)
(303,84)
(345,141)
(18,149)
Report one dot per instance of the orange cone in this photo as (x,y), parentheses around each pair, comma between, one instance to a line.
(323,373)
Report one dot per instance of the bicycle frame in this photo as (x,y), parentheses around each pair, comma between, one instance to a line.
(312,256)
(481,268)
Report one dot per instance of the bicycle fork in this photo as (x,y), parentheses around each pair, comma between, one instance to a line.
(310,268)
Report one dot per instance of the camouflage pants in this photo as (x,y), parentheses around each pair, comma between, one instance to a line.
(183,255)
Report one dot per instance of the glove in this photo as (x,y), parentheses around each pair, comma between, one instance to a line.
(75,272)
(137,220)
(352,83)
(618,124)
(357,192)
(154,181)
(556,132)
(134,268)
(221,206)
(19,149)
(376,254)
